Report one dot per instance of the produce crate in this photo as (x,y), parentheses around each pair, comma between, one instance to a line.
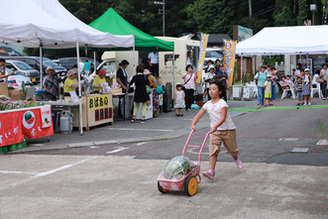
(3,149)
(17,146)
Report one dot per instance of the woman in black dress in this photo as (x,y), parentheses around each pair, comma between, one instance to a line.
(140,93)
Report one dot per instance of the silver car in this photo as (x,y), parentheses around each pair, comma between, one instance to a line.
(21,68)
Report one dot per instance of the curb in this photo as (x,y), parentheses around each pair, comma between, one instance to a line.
(175,135)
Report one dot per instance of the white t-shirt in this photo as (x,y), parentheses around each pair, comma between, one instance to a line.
(214,112)
(153,57)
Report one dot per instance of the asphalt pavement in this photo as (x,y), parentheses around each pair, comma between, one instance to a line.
(52,181)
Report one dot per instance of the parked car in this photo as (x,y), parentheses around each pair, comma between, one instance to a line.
(34,62)
(68,62)
(213,54)
(18,78)
(21,68)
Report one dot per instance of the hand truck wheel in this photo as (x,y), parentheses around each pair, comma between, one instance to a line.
(191,185)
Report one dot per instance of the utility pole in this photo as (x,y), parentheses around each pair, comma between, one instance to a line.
(250,7)
(162,12)
(163,17)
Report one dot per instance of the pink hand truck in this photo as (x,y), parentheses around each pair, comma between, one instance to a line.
(189,183)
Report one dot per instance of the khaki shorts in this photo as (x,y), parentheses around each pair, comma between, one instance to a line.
(228,137)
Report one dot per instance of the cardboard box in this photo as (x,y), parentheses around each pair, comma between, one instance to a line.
(4,89)
(117,90)
(15,94)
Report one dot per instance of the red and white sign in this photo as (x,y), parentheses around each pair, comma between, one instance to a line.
(17,124)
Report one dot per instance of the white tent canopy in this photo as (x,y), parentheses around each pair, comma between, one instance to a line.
(286,40)
(34,26)
(89,36)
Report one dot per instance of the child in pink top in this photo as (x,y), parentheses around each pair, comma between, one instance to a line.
(222,127)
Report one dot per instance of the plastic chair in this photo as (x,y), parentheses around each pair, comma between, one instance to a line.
(286,90)
(316,89)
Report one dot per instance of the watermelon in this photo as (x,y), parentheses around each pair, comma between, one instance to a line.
(177,168)
(30,121)
(28,116)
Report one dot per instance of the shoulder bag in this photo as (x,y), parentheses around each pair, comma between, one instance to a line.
(148,89)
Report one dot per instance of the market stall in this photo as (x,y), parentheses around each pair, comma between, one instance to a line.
(97,109)
(31,122)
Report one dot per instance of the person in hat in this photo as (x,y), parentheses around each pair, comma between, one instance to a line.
(261,77)
(324,76)
(267,91)
(71,83)
(99,81)
(306,87)
(208,77)
(209,62)
(50,84)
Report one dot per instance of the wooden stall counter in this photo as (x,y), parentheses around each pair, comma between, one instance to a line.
(97,109)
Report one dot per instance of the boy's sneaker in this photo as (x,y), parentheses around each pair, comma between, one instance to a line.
(305,104)
(309,104)
(239,164)
(209,174)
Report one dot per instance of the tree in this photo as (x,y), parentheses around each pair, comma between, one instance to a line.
(210,16)
(283,13)
(302,12)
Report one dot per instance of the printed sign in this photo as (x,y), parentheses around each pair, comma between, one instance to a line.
(229,59)
(46,116)
(16,125)
(98,102)
(201,57)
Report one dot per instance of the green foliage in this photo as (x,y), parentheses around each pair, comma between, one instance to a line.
(302,12)
(283,14)
(271,60)
(210,16)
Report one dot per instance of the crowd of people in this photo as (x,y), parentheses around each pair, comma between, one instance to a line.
(301,82)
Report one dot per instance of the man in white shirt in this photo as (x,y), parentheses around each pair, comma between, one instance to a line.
(153,63)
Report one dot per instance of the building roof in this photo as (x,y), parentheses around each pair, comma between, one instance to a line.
(216,38)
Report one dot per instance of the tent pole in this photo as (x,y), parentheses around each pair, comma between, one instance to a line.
(307,61)
(78,80)
(173,70)
(41,67)
(241,69)
(94,62)
(134,59)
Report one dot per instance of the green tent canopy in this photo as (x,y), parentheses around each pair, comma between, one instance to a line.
(113,23)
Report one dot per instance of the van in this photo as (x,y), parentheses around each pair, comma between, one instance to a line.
(21,68)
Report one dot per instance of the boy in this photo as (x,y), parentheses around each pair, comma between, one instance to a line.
(267,91)
(298,88)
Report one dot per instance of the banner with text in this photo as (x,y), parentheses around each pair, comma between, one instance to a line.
(229,59)
(30,123)
(201,57)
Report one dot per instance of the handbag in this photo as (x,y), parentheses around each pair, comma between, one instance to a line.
(159,89)
(148,89)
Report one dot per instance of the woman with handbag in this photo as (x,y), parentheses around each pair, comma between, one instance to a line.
(153,86)
(140,93)
(189,86)
(323,80)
